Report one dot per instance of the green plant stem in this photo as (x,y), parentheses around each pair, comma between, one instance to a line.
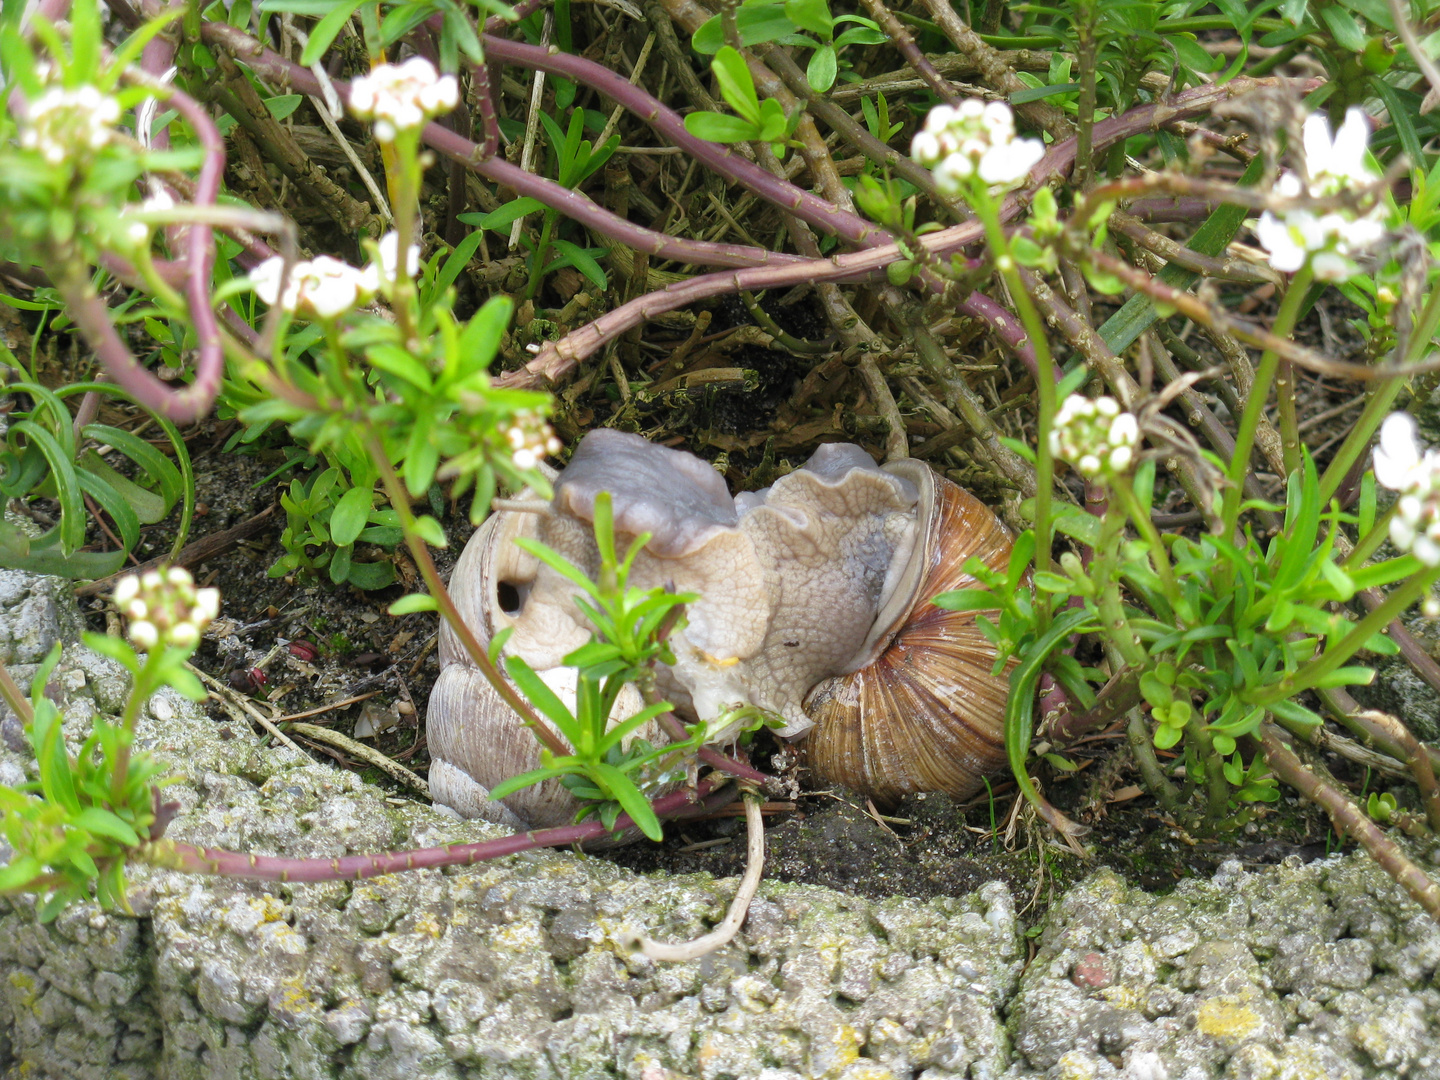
(405,200)
(400,501)
(1138,738)
(999,243)
(1259,394)
(1160,557)
(1378,403)
(15,698)
(1311,673)
(145,685)
(542,248)
(1217,789)
(1112,609)
(1368,544)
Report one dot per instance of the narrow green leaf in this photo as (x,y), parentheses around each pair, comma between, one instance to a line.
(326,30)
(630,798)
(412,603)
(104,823)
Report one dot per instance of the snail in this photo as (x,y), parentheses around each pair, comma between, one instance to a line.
(815,604)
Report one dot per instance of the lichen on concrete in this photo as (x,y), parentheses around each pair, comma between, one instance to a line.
(522,968)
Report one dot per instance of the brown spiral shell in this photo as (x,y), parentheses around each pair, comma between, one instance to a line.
(925,714)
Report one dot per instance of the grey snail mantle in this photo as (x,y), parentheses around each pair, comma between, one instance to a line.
(814,605)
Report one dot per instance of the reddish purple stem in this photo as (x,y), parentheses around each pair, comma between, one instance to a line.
(188,857)
(571,203)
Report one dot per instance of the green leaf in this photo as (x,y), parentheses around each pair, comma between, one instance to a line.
(737,86)
(430,530)
(1155,692)
(1040,93)
(812,15)
(1193,55)
(1166,737)
(757,23)
(583,261)
(55,768)
(456,261)
(103,823)
(543,698)
(823,67)
(412,603)
(967,600)
(399,362)
(153,464)
(350,515)
(484,332)
(1053,583)
(502,218)
(1296,714)
(1138,313)
(283,105)
(1343,27)
(1354,675)
(340,561)
(67,487)
(630,798)
(1410,140)
(371,576)
(23,869)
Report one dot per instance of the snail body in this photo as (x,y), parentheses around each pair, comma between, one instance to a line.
(815,605)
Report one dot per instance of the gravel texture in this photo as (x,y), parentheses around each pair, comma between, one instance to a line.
(521,968)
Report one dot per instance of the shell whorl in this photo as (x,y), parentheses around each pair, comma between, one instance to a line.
(925,714)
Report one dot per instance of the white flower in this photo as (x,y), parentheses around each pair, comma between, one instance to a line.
(166,608)
(400,97)
(1329,241)
(1095,436)
(323,287)
(144,635)
(1401,466)
(1397,454)
(69,125)
(385,268)
(530,439)
(126,589)
(975,138)
(1336,163)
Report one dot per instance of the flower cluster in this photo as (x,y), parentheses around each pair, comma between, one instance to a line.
(69,125)
(1402,467)
(401,97)
(389,261)
(166,608)
(1327,241)
(530,439)
(975,139)
(1094,436)
(325,287)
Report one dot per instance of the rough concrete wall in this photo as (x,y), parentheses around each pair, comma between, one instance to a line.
(519,968)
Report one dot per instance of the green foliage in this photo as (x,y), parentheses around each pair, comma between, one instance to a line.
(1229,635)
(72,829)
(388,23)
(807,24)
(755,120)
(43,457)
(631,628)
(573,160)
